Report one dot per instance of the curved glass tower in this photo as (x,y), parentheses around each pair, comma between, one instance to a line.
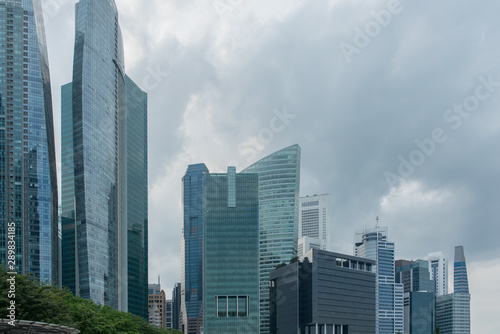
(104,168)
(279,188)
(28,181)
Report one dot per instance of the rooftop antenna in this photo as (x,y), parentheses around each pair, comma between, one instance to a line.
(376,224)
(158,279)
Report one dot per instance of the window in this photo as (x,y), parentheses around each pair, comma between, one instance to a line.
(232,306)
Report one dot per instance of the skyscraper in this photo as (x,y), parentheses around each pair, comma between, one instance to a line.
(104,168)
(28,181)
(438,266)
(461,282)
(373,244)
(453,313)
(315,215)
(279,188)
(230,252)
(176,305)
(192,250)
(419,296)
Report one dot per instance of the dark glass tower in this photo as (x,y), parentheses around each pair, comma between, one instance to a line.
(28,181)
(231,252)
(104,168)
(461,282)
(137,199)
(279,189)
(192,250)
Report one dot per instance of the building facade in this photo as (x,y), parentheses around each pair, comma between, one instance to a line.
(176,305)
(192,250)
(373,244)
(231,252)
(28,180)
(307,243)
(326,293)
(419,296)
(453,313)
(315,219)
(104,168)
(157,303)
(460,279)
(438,266)
(279,188)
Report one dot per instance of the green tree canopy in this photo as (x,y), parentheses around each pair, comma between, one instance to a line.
(38,301)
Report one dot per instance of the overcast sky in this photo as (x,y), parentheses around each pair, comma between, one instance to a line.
(395,106)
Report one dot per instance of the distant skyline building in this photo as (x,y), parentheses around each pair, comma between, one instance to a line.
(453,313)
(315,219)
(230,252)
(373,244)
(438,266)
(307,243)
(28,178)
(419,296)
(279,191)
(176,305)
(191,315)
(157,303)
(104,168)
(168,313)
(460,279)
(328,293)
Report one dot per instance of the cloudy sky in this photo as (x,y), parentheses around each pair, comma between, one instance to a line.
(394,103)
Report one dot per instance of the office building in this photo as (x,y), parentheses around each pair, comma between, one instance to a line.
(191,315)
(373,244)
(28,181)
(326,293)
(419,296)
(157,303)
(168,313)
(230,252)
(453,313)
(460,280)
(315,219)
(438,265)
(279,188)
(104,168)
(307,243)
(176,305)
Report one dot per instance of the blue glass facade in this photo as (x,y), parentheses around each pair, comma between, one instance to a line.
(461,282)
(104,168)
(231,253)
(373,244)
(192,250)
(279,189)
(28,182)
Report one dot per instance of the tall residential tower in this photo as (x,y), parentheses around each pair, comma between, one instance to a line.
(28,181)
(104,168)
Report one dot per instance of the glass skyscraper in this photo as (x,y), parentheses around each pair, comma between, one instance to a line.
(104,168)
(461,282)
(231,252)
(28,181)
(373,244)
(279,189)
(192,250)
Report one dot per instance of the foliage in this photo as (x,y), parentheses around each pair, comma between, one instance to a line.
(38,301)
(437,330)
(281,265)
(294,259)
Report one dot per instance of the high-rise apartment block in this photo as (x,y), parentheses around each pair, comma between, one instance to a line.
(373,244)
(104,168)
(231,252)
(315,215)
(279,188)
(325,293)
(28,182)
(438,266)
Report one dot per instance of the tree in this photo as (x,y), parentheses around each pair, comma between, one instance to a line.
(280,265)
(437,330)
(294,259)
